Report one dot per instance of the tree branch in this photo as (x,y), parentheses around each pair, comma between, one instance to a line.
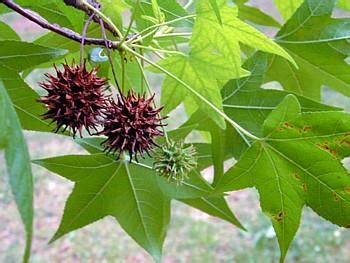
(77,4)
(63,31)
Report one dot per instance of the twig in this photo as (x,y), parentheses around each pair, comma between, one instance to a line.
(104,35)
(102,16)
(63,31)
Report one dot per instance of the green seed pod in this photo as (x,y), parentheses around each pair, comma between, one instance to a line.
(175,161)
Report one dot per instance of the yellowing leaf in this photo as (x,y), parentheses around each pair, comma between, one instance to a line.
(208,31)
(345,4)
(200,70)
(288,7)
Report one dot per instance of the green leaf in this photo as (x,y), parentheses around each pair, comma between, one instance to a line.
(35,2)
(256,16)
(235,143)
(18,164)
(345,4)
(224,143)
(193,187)
(52,13)
(18,55)
(214,58)
(24,101)
(129,192)
(224,38)
(115,9)
(133,75)
(214,206)
(216,9)
(157,12)
(170,8)
(195,191)
(7,33)
(249,105)
(298,162)
(317,43)
(199,71)
(288,7)
(218,143)
(54,40)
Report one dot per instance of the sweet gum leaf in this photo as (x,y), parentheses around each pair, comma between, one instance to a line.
(298,162)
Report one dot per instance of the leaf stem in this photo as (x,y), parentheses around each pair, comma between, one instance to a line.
(184,34)
(156,26)
(142,73)
(157,49)
(103,16)
(83,36)
(188,4)
(104,35)
(196,93)
(122,63)
(150,94)
(143,37)
(129,27)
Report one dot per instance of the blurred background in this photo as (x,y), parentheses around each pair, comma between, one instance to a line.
(192,235)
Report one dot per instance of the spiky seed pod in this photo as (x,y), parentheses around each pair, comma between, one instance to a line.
(131,125)
(175,161)
(75,98)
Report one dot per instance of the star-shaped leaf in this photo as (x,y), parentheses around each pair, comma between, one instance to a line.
(298,162)
(200,70)
(225,37)
(215,56)
(317,43)
(249,105)
(103,187)
(288,7)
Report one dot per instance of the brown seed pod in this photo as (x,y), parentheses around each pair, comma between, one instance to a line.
(75,98)
(131,125)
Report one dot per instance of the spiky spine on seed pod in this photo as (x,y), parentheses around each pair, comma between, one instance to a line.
(175,161)
(75,98)
(131,125)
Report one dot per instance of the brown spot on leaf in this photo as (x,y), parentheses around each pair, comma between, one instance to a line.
(307,128)
(347,226)
(325,146)
(335,197)
(297,177)
(279,217)
(304,187)
(347,189)
(287,125)
(346,142)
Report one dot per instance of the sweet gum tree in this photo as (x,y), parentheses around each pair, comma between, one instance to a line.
(288,145)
